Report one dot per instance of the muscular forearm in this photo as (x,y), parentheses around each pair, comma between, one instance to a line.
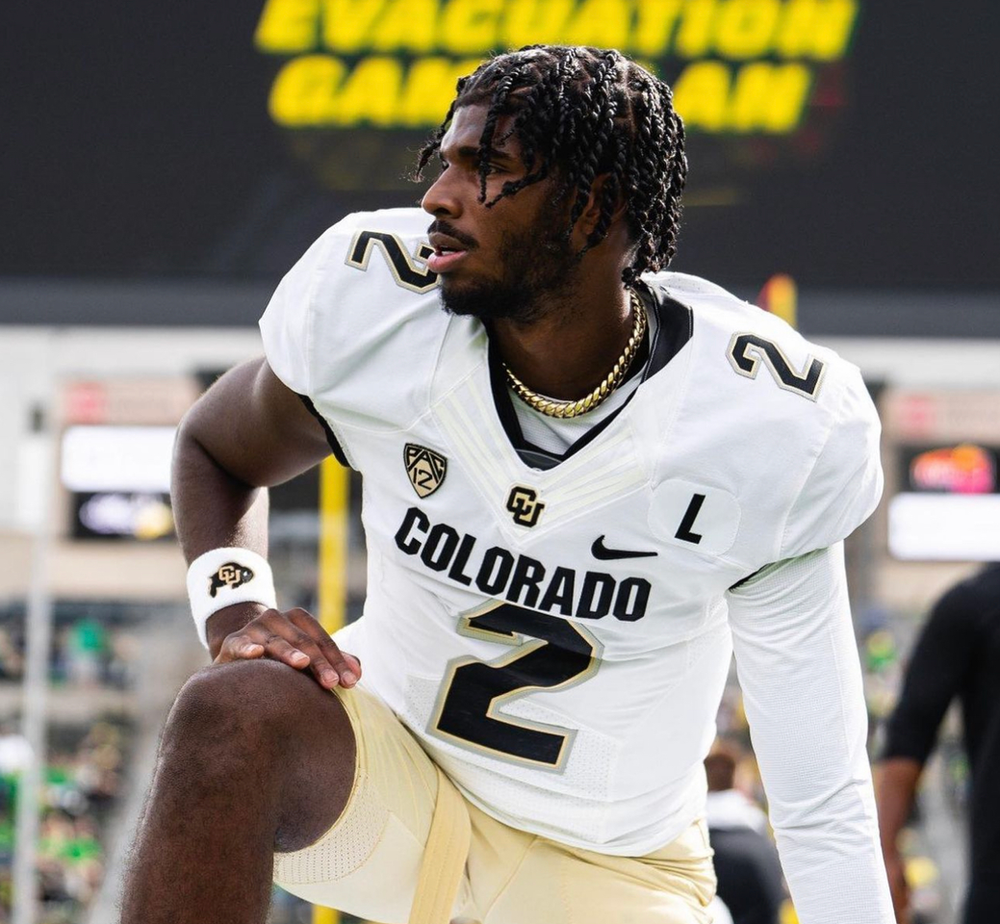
(213,509)
(895,788)
(246,433)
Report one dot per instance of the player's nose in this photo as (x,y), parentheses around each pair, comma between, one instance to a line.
(442,200)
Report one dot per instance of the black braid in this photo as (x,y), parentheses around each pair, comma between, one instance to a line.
(581,113)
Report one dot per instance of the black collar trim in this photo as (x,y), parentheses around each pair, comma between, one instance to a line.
(674,328)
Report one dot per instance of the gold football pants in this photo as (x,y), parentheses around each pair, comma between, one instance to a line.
(409,848)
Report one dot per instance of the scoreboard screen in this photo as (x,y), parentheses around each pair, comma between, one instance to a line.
(737,66)
(840,141)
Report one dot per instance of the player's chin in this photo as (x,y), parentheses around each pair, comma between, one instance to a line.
(460,296)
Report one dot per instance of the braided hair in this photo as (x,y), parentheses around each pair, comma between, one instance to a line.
(581,113)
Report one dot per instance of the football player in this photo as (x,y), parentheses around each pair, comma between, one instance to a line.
(586,481)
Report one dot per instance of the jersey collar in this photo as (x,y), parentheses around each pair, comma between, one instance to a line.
(674,328)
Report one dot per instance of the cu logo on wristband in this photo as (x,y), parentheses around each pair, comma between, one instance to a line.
(231,574)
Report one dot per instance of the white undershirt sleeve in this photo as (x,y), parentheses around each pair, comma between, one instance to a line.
(798,667)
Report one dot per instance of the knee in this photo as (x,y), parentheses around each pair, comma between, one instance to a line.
(244,705)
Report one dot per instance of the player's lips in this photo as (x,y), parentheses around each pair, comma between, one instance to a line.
(448,251)
(443,260)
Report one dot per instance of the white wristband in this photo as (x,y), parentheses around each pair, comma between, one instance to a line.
(222,577)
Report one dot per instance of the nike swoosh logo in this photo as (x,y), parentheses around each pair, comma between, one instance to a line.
(600,551)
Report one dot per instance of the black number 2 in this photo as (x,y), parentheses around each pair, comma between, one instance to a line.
(557,654)
(747,350)
(407,272)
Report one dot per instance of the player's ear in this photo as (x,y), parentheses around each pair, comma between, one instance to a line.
(592,212)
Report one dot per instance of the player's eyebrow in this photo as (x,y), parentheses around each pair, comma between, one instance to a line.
(471,152)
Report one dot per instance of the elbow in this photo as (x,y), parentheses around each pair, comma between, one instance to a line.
(842,817)
(190,457)
(187,452)
(194,459)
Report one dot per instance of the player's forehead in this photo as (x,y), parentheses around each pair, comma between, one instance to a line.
(465,133)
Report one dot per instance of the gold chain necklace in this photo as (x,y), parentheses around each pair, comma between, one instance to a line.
(552,407)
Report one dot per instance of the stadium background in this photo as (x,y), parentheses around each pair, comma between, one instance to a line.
(163,164)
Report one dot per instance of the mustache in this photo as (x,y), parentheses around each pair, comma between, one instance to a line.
(440,226)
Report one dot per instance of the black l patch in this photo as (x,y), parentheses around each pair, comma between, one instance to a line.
(690,515)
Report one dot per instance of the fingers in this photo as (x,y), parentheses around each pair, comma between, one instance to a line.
(328,662)
(355,663)
(297,639)
(256,640)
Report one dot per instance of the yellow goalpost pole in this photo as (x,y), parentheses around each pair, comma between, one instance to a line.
(334,500)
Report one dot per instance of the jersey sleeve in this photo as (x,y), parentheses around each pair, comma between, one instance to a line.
(800,674)
(843,485)
(287,326)
(356,325)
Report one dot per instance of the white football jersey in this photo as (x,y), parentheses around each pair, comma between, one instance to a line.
(555,631)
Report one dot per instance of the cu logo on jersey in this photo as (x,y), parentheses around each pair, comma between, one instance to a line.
(524,504)
(425,468)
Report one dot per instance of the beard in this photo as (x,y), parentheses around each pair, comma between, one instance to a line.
(536,266)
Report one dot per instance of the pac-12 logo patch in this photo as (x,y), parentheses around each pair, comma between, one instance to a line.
(231,574)
(425,467)
(524,504)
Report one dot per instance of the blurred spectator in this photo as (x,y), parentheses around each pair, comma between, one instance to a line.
(86,652)
(11,660)
(85,648)
(15,756)
(15,752)
(746,861)
(120,670)
(94,645)
(81,783)
(956,655)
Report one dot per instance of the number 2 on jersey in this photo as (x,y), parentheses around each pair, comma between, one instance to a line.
(747,350)
(408,273)
(555,655)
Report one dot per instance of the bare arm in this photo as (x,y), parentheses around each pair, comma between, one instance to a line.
(247,433)
(895,789)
